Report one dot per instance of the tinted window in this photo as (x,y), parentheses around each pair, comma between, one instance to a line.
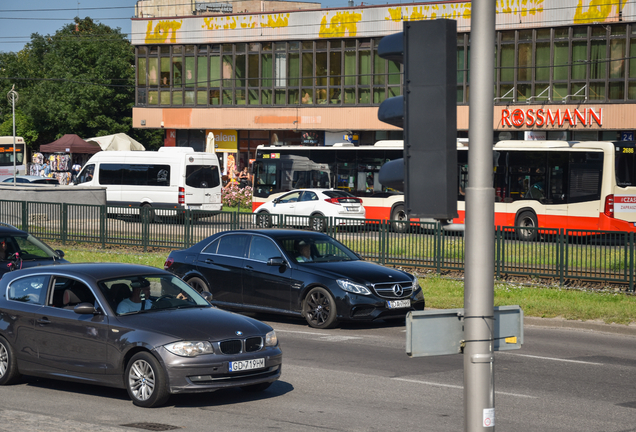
(262,249)
(68,293)
(337,194)
(625,165)
(134,174)
(586,172)
(233,245)
(202,176)
(29,289)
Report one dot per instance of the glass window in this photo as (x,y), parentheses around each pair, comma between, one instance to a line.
(153,71)
(142,70)
(262,249)
(308,68)
(293,71)
(189,71)
(280,69)
(507,62)
(524,62)
(240,70)
(598,59)
(321,68)
(364,67)
(228,71)
(202,72)
(561,60)
(266,73)
(177,71)
(134,174)
(30,289)
(617,56)
(165,72)
(579,60)
(233,245)
(215,71)
(202,176)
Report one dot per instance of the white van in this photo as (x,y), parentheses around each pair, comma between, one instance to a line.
(171,178)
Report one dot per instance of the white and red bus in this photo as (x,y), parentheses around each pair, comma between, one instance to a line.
(354,169)
(545,184)
(7,155)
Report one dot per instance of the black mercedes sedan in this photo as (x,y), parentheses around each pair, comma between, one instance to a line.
(129,326)
(295,272)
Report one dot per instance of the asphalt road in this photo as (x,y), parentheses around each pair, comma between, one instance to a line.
(358,378)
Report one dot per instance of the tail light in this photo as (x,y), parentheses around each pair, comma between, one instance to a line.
(168,263)
(340,200)
(181,195)
(609,206)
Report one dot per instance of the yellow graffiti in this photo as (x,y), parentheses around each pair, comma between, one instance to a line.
(275,21)
(230,24)
(418,13)
(597,11)
(161,31)
(342,24)
(395,14)
(520,7)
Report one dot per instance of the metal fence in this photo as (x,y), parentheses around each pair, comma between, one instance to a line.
(562,255)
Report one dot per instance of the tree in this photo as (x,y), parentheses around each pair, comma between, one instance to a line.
(80,80)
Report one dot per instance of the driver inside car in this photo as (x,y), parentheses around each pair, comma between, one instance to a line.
(139,300)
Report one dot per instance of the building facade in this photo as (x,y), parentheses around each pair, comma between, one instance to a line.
(564,69)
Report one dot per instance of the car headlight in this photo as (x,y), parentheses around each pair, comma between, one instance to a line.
(190,349)
(353,287)
(416,284)
(270,339)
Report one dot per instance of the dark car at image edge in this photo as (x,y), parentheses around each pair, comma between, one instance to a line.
(260,271)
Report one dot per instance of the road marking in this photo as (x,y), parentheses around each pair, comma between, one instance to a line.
(323,336)
(461,387)
(302,332)
(554,359)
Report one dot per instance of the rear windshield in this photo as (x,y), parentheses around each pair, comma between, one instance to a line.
(202,176)
(337,194)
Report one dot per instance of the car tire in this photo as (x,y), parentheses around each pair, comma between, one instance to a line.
(148,214)
(146,381)
(319,309)
(256,387)
(8,367)
(198,284)
(398,215)
(263,220)
(317,223)
(526,219)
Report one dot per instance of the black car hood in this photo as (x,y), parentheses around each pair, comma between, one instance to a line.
(357,271)
(204,323)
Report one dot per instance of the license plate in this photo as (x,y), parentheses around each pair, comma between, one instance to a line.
(396,304)
(352,208)
(238,366)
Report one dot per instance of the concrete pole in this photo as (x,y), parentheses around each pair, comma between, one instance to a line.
(479,392)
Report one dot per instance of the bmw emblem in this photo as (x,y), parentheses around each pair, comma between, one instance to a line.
(398,290)
(239,333)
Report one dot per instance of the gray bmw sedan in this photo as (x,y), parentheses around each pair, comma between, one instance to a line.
(129,326)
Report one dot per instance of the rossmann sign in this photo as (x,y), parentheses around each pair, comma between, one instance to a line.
(548,117)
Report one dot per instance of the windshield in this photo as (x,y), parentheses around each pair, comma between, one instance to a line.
(136,294)
(28,248)
(308,248)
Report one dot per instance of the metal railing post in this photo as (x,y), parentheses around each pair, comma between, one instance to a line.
(103,218)
(561,245)
(498,251)
(25,220)
(64,221)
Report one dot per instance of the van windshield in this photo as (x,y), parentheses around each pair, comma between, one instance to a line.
(202,176)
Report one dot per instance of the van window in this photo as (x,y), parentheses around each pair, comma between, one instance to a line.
(202,176)
(134,174)
(87,174)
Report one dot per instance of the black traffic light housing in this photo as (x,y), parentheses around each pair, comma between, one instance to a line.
(428,113)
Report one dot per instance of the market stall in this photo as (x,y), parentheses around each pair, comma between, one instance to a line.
(62,154)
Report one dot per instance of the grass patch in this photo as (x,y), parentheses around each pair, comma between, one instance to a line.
(441,293)
(539,301)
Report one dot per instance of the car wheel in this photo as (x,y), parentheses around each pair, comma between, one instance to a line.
(8,366)
(146,381)
(148,214)
(256,387)
(263,220)
(398,216)
(319,309)
(317,223)
(198,284)
(527,219)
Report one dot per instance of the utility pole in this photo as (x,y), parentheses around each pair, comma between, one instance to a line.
(479,391)
(13,98)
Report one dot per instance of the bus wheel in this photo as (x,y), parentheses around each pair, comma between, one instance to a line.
(527,226)
(263,220)
(397,217)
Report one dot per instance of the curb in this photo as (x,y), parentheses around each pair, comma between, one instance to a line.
(598,326)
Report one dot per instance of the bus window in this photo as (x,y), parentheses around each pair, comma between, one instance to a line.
(586,173)
(625,164)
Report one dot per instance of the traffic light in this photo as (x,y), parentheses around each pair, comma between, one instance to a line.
(427,111)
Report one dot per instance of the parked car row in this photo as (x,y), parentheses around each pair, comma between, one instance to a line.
(157,332)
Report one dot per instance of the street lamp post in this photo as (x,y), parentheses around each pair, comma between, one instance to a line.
(13,98)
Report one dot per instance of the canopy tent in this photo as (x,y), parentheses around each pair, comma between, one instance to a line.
(119,141)
(70,143)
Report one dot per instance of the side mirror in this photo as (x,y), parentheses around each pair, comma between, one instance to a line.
(60,253)
(276,261)
(207,295)
(84,309)
(276,200)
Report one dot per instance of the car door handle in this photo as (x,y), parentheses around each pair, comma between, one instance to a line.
(44,320)
(249,267)
(209,261)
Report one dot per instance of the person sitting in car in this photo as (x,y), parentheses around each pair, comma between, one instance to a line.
(304,252)
(139,300)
